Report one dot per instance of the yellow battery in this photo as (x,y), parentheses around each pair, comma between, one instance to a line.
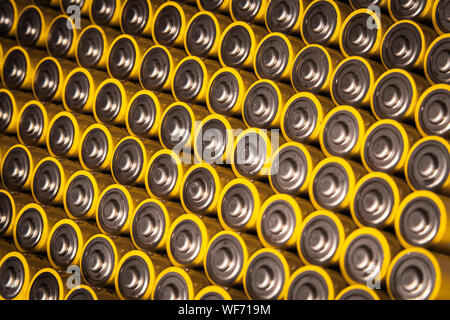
(116,248)
(145,111)
(46,16)
(133,196)
(342,10)
(16,6)
(438,14)
(6,142)
(54,193)
(192,281)
(142,219)
(79,122)
(199,81)
(435,267)
(386,201)
(435,69)
(323,253)
(20,181)
(215,137)
(402,112)
(287,262)
(31,264)
(96,56)
(371,266)
(232,207)
(12,102)
(293,46)
(143,28)
(80,87)
(221,176)
(255,14)
(220,24)
(286,171)
(285,21)
(154,265)
(422,221)
(282,215)
(376,21)
(195,232)
(33,224)
(114,109)
(245,243)
(218,292)
(81,230)
(226,91)
(330,279)
(174,37)
(18,66)
(79,185)
(102,154)
(301,109)
(110,13)
(360,291)
(362,85)
(84,292)
(34,122)
(222,6)
(155,75)
(84,6)
(253,32)
(333,139)
(12,203)
(128,62)
(424,14)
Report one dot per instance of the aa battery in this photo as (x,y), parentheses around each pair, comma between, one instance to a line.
(100,259)
(279,220)
(268,272)
(435,67)
(34,122)
(417,10)
(274,56)
(48,284)
(291,168)
(84,292)
(63,35)
(137,273)
(175,283)
(361,292)
(395,95)
(419,274)
(66,241)
(158,67)
(33,225)
(239,204)
(136,16)
(353,81)
(377,198)
(214,5)
(83,5)
(314,283)
(115,208)
(238,44)
(343,132)
(313,68)
(6,142)
(10,10)
(226,91)
(17,270)
(105,13)
(431,116)
(33,26)
(145,111)
(285,15)
(11,102)
(170,23)
(11,203)
(322,22)
(227,256)
(362,33)
(322,236)
(151,222)
(125,55)
(82,193)
(249,11)
(93,46)
(219,293)
(367,254)
(97,146)
(19,163)
(421,221)
(201,187)
(6,43)
(302,117)
(438,17)
(203,32)
(404,45)
(428,165)
(80,89)
(188,240)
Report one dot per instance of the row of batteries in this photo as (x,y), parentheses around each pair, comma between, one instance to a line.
(346,202)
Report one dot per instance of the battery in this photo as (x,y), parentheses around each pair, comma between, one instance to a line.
(84,292)
(11,102)
(48,284)
(249,11)
(10,10)
(11,203)
(361,292)
(105,12)
(213,5)
(33,26)
(136,16)
(84,6)
(435,67)
(438,16)
(285,15)
(219,293)
(417,10)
